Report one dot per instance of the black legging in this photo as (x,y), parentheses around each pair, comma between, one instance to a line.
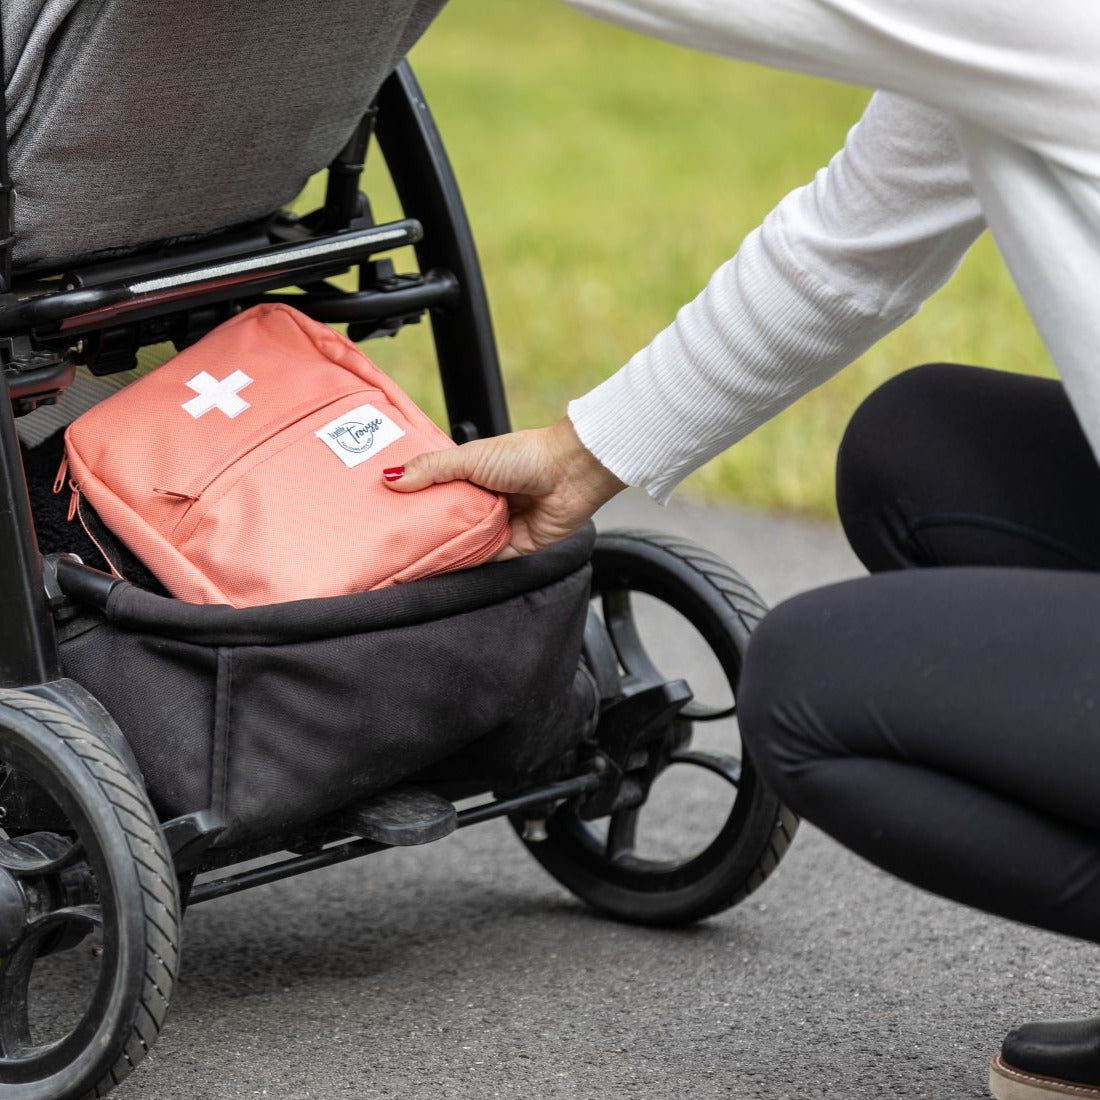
(944,722)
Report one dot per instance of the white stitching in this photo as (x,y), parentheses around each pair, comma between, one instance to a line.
(1063,1086)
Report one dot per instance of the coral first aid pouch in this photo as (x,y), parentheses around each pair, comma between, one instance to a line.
(248,470)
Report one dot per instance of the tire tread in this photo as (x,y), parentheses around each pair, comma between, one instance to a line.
(156,877)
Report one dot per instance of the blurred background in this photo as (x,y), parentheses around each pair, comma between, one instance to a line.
(606,176)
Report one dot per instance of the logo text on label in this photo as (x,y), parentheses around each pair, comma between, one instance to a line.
(356,437)
(359,434)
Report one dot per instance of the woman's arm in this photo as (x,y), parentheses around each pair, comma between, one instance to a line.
(834,267)
(1020,82)
(1024,71)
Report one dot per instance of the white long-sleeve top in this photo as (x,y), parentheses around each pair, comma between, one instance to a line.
(988,114)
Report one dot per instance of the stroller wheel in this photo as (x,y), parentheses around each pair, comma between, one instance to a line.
(709,831)
(89,909)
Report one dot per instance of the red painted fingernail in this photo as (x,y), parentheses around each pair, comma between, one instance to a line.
(394,473)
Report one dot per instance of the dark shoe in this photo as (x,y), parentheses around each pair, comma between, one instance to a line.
(1048,1061)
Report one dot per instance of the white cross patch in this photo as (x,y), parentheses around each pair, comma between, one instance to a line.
(213,394)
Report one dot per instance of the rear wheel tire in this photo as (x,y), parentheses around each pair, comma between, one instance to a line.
(102,869)
(600,866)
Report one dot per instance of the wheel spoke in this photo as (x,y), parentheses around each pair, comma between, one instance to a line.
(21,857)
(15,981)
(91,916)
(15,975)
(618,617)
(728,767)
(621,830)
(600,656)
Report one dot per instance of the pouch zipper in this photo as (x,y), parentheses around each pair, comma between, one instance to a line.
(210,477)
(75,512)
(95,542)
(211,474)
(62,470)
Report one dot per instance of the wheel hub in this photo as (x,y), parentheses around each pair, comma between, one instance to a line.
(38,875)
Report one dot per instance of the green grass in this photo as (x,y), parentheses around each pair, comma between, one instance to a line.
(607,176)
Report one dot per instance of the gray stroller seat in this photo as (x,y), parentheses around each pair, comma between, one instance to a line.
(136,121)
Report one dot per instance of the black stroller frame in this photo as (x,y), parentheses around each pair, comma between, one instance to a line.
(82,322)
(53,887)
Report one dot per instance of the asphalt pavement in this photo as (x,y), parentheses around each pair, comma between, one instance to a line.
(460,970)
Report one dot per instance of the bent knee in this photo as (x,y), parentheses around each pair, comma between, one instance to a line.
(788,691)
(889,413)
(882,461)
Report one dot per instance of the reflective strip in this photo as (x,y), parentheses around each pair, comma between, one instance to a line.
(255,263)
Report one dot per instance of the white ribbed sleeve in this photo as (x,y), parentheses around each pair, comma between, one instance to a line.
(836,265)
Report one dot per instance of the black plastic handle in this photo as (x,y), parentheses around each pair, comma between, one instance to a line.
(80,582)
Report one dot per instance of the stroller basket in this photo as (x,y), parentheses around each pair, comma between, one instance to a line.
(274,716)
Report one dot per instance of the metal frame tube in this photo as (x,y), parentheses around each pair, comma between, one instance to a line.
(28,650)
(91,307)
(341,853)
(465,347)
(342,186)
(7,214)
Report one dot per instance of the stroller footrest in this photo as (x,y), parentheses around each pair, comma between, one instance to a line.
(401,817)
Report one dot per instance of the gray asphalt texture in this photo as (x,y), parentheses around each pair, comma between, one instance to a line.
(461,970)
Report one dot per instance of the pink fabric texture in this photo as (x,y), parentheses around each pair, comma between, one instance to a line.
(248,470)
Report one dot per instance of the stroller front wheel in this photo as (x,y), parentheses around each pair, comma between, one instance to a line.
(89,909)
(651,592)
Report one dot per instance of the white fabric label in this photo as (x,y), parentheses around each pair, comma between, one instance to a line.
(358,435)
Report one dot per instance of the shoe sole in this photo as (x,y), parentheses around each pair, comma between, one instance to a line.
(1007,1083)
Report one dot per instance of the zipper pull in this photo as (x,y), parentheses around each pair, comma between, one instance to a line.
(63,469)
(74,500)
(172,493)
(87,531)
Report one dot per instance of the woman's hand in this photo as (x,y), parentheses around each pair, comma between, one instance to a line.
(553,483)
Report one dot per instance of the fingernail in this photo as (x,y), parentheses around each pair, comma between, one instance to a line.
(394,473)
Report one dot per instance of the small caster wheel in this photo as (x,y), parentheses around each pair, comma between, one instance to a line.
(89,909)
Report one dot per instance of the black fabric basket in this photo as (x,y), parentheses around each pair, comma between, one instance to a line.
(276,716)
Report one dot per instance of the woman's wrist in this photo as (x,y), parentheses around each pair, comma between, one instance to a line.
(583,470)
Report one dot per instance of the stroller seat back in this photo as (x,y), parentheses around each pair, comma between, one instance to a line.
(136,121)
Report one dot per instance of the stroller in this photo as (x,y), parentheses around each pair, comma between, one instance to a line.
(156,754)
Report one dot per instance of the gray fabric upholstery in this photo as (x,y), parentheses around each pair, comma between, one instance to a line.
(29,27)
(134,121)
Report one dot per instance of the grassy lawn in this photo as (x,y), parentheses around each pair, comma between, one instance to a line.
(606,177)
